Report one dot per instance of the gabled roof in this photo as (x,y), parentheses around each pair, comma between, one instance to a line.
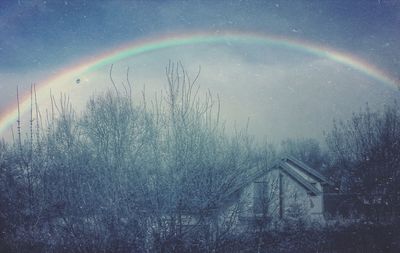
(306,169)
(289,164)
(299,179)
(286,165)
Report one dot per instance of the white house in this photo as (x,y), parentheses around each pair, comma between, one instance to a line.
(289,189)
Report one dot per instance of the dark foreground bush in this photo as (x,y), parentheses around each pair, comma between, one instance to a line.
(334,239)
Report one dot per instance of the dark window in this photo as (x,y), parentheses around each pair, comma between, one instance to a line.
(260,197)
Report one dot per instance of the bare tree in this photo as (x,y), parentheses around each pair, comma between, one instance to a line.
(365,151)
(150,175)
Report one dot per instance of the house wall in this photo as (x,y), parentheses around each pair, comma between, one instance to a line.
(316,208)
(295,199)
(298,197)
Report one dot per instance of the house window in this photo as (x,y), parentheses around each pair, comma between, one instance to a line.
(295,197)
(260,197)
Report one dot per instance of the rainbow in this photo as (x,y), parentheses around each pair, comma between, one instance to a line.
(9,116)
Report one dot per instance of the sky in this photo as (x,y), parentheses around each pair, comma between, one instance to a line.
(282,91)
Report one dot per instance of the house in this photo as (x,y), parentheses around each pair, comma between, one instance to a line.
(261,198)
(289,189)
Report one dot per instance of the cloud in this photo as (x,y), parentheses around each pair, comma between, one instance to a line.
(284,94)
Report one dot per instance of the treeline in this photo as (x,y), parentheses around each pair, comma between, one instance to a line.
(365,161)
(120,177)
(124,175)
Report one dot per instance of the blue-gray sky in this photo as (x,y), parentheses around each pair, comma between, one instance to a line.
(38,38)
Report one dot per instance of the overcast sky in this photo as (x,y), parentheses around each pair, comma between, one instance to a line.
(284,93)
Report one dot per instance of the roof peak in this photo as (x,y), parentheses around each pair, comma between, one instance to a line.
(304,168)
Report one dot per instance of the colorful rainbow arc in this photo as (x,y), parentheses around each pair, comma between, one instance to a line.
(163,42)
